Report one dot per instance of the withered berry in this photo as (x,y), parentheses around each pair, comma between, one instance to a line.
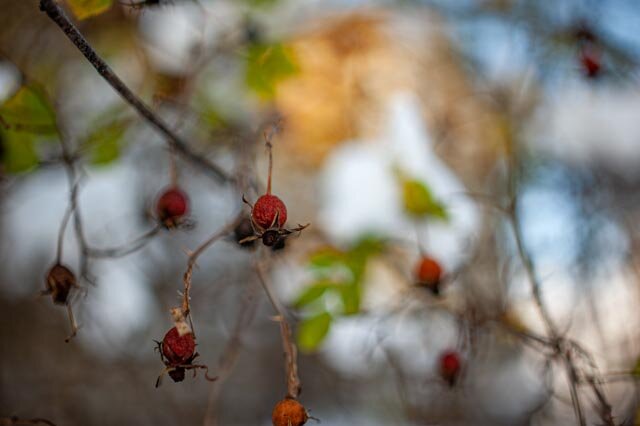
(178,349)
(450,366)
(289,412)
(270,238)
(265,211)
(60,281)
(171,206)
(429,274)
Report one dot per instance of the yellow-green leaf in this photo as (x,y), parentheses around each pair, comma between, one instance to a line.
(418,200)
(84,9)
(311,294)
(29,110)
(18,152)
(312,331)
(105,143)
(350,295)
(268,65)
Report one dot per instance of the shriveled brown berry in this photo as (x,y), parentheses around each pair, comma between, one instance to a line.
(60,281)
(265,211)
(289,412)
(178,350)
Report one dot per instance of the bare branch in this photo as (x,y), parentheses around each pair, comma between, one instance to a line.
(57,15)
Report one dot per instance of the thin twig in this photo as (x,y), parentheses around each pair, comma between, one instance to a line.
(229,357)
(127,248)
(58,16)
(193,257)
(294,385)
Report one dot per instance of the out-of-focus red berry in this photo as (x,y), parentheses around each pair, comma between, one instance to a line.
(591,63)
(172,205)
(428,273)
(450,364)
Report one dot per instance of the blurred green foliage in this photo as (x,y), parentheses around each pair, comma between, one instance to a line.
(83,9)
(339,275)
(27,118)
(419,202)
(267,65)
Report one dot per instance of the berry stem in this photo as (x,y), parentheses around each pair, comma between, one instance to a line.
(270,151)
(72,322)
(268,137)
(63,227)
(173,167)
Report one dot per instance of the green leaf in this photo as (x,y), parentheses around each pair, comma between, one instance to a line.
(18,152)
(29,110)
(310,295)
(84,9)
(326,258)
(105,143)
(418,200)
(312,331)
(350,295)
(268,65)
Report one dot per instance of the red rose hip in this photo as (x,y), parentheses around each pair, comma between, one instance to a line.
(171,206)
(289,412)
(266,209)
(450,366)
(178,349)
(429,273)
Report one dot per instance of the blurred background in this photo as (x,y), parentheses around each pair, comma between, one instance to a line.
(499,138)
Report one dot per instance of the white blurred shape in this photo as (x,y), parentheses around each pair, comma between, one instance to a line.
(176,33)
(362,194)
(584,124)
(116,308)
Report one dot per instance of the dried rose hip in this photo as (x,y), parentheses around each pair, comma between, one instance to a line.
(60,280)
(177,354)
(178,349)
(269,215)
(269,212)
(289,412)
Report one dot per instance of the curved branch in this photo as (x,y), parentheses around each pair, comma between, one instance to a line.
(58,16)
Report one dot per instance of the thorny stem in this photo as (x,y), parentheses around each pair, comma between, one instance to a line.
(58,16)
(294,385)
(193,257)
